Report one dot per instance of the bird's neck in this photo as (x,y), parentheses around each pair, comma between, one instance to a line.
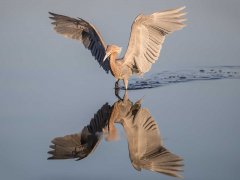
(113,63)
(113,57)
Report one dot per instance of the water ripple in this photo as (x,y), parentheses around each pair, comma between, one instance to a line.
(194,74)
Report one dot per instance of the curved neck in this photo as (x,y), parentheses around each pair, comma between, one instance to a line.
(112,60)
(113,56)
(115,68)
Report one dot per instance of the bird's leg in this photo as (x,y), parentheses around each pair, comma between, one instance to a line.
(117,89)
(116,84)
(125,83)
(125,97)
(117,94)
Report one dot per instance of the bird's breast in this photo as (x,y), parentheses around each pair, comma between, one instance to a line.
(116,72)
(116,69)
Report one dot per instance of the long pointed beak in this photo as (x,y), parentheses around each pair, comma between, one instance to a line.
(106,56)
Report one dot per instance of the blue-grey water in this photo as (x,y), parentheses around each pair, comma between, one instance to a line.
(51,86)
(195,74)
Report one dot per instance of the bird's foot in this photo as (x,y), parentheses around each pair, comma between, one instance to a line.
(117,85)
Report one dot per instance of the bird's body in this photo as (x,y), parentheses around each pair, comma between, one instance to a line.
(119,69)
(148,33)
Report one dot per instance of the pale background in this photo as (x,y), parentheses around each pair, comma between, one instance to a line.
(51,86)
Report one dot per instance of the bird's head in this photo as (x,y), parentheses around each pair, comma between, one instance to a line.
(111,49)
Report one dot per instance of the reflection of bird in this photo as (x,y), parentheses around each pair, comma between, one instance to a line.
(146,150)
(146,39)
(145,145)
(80,145)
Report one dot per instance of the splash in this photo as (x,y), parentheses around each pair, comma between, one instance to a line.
(194,74)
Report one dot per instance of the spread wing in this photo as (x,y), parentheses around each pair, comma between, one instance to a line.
(70,147)
(145,146)
(83,31)
(80,145)
(147,36)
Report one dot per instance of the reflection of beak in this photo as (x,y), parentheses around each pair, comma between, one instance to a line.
(106,56)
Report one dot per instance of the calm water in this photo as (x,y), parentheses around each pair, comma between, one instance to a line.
(198,121)
(50,87)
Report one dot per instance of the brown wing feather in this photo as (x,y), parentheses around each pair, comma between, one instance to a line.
(146,148)
(147,36)
(80,145)
(83,31)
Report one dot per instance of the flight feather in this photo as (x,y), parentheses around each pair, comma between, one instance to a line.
(147,36)
(83,31)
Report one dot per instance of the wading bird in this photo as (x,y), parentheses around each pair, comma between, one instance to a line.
(147,36)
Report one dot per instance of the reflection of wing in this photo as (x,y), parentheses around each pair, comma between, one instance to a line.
(147,37)
(145,146)
(83,31)
(70,146)
(82,144)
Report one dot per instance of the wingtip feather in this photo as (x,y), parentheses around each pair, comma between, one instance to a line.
(181,8)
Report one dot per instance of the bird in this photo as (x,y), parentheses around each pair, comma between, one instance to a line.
(80,145)
(147,36)
(145,145)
